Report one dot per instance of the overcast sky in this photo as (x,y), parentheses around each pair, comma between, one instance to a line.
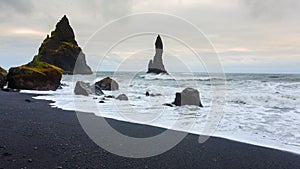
(248,35)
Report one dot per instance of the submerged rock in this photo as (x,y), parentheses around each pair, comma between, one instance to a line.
(188,96)
(147,93)
(152,94)
(107,84)
(122,97)
(3,74)
(34,76)
(85,89)
(109,96)
(156,65)
(168,104)
(62,50)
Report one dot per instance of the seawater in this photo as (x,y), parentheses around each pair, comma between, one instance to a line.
(260,109)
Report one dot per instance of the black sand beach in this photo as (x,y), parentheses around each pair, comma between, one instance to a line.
(34,135)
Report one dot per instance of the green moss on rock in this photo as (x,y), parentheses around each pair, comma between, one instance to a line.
(62,50)
(34,76)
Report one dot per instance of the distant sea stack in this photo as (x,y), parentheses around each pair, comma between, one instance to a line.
(62,50)
(156,65)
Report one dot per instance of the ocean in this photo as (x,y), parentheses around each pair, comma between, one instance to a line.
(260,109)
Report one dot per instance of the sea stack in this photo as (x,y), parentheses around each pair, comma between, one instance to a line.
(62,50)
(156,65)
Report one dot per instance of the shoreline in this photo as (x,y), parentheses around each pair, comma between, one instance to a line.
(292,148)
(34,135)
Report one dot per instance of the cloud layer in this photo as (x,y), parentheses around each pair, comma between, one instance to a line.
(249,36)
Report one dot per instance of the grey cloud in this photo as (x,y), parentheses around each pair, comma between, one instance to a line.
(19,6)
(111,9)
(269,9)
(261,29)
(11,9)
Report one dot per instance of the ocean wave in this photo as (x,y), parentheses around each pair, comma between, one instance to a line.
(151,76)
(188,77)
(261,111)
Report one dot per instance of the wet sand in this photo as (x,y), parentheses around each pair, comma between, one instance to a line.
(34,135)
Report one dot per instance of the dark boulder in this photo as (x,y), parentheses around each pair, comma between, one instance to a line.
(82,88)
(107,84)
(34,76)
(188,96)
(3,74)
(85,89)
(122,97)
(62,50)
(97,90)
(156,65)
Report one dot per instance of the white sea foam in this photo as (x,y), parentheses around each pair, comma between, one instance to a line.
(260,109)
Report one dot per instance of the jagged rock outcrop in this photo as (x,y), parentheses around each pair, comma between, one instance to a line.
(156,65)
(3,75)
(85,89)
(188,96)
(107,84)
(34,76)
(62,50)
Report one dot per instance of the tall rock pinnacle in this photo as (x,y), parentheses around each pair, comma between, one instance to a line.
(62,50)
(156,65)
